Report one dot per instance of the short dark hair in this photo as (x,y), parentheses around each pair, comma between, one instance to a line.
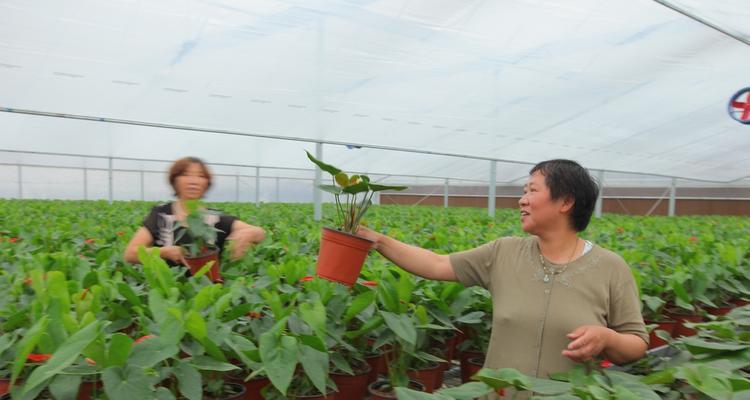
(568,179)
(180,166)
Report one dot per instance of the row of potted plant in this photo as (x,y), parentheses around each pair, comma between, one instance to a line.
(264,292)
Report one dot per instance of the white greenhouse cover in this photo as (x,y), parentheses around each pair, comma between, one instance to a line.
(618,85)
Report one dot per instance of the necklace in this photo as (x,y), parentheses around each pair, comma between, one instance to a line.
(549,271)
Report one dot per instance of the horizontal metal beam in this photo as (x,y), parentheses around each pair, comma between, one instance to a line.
(703,21)
(218,164)
(301,139)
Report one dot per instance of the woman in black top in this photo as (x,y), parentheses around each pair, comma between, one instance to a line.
(190,178)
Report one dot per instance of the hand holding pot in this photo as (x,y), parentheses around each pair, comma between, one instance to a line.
(371,235)
(173,253)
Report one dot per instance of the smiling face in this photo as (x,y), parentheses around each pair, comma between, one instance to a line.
(192,183)
(538,210)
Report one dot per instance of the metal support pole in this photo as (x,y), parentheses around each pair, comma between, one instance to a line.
(85,184)
(257,186)
(109,177)
(317,193)
(600,197)
(143,191)
(492,189)
(277,197)
(672,194)
(445,193)
(237,188)
(20,182)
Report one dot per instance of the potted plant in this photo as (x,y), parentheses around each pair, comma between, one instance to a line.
(401,334)
(201,249)
(342,252)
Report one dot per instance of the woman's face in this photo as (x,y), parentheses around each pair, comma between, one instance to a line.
(538,211)
(192,183)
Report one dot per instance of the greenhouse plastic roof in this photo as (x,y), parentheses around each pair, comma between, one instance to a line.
(619,85)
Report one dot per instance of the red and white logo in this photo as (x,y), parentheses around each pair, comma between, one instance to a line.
(739,106)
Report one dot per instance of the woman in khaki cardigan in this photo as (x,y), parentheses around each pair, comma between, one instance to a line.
(557,298)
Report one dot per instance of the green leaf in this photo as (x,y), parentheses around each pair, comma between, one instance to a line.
(196,325)
(65,387)
(663,377)
(403,393)
(210,364)
(120,346)
(27,344)
(314,314)
(401,325)
(325,167)
(359,304)
(377,188)
(473,317)
(150,352)
(331,189)
(504,377)
(700,346)
(189,381)
(127,384)
(467,391)
(127,292)
(315,365)
(279,355)
(64,356)
(357,188)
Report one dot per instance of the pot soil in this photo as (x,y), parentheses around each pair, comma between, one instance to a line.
(382,390)
(232,391)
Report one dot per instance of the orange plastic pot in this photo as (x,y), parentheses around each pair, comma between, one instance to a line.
(341,256)
(195,265)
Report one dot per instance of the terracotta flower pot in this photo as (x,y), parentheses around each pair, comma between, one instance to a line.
(667,326)
(464,357)
(352,387)
(341,256)
(4,386)
(195,265)
(474,364)
(428,376)
(680,329)
(378,366)
(724,310)
(377,393)
(89,390)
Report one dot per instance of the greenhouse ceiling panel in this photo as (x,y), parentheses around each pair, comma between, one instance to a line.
(623,85)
